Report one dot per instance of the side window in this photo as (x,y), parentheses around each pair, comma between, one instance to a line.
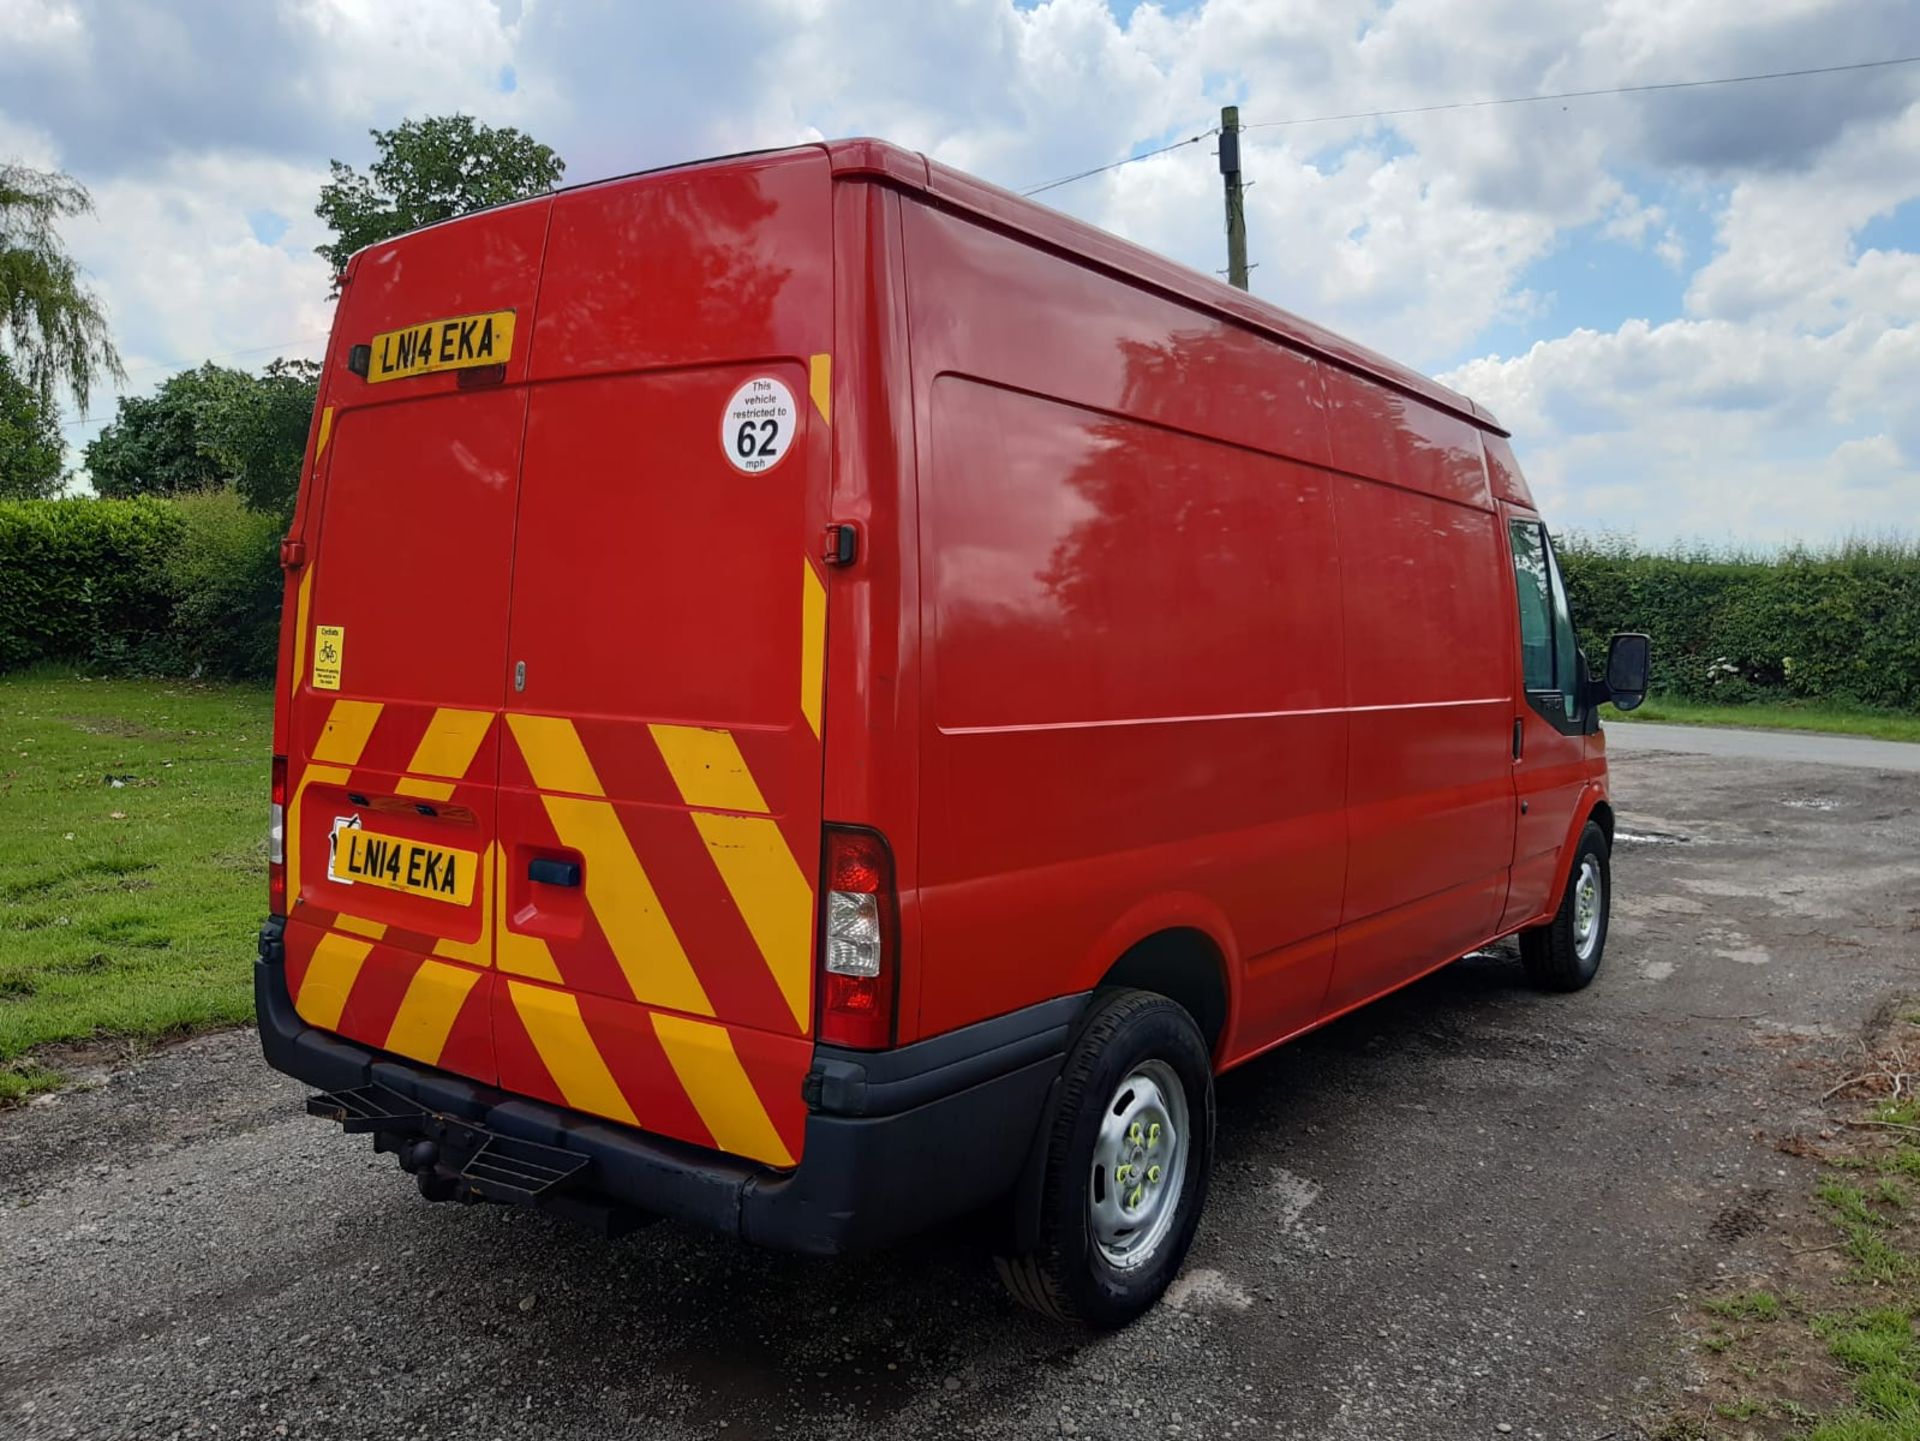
(1566,645)
(1536,588)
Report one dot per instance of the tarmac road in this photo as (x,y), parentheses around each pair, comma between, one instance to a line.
(1792,747)
(1467,1209)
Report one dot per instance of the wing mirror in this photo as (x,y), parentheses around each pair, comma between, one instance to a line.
(1629,659)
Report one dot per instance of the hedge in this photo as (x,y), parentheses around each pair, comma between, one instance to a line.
(181,587)
(192,587)
(84,580)
(1840,624)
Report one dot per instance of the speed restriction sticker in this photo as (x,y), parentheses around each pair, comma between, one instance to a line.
(758,425)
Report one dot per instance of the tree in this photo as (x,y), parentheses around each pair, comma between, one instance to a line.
(260,431)
(429,170)
(212,429)
(52,323)
(30,444)
(161,444)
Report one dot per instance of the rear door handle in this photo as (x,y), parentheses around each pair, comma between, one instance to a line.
(549,872)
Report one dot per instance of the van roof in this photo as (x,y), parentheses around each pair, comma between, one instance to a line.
(960,191)
(1056,230)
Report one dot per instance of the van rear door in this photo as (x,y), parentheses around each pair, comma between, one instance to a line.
(661,767)
(399,649)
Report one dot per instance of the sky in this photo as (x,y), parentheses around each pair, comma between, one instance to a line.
(1697,310)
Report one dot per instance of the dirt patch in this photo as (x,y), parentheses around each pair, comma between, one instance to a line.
(87,1063)
(1808,1329)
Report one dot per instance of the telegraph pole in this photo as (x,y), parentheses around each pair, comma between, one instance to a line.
(1236,204)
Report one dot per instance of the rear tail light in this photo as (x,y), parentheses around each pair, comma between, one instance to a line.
(858,944)
(277,840)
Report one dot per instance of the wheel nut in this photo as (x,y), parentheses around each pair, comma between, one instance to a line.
(1153,1174)
(1153,1134)
(1138,1192)
(1120,1173)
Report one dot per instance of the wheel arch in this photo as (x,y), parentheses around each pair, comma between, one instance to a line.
(1184,964)
(1594,806)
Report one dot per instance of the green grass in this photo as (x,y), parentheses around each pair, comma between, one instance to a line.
(1850,1202)
(1836,719)
(1747,1306)
(1877,1347)
(126,911)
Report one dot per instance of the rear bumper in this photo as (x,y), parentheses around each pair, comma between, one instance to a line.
(896,1141)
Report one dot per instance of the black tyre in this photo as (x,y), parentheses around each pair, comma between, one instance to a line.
(1564,954)
(1127,1161)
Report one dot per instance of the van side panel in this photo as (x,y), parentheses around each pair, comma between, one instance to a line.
(1134,649)
(1430,787)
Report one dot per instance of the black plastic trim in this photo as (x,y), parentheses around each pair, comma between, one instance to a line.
(885,1083)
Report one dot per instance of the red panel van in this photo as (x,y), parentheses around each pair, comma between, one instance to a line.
(817,696)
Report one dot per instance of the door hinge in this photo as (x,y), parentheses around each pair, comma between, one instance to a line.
(519,675)
(843,544)
(1519,737)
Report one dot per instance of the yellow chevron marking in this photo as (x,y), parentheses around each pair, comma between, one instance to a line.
(622,897)
(448,747)
(329,980)
(708,768)
(702,1056)
(320,445)
(425,1018)
(301,598)
(554,754)
(344,736)
(518,954)
(813,642)
(321,775)
(372,930)
(553,1023)
(773,896)
(820,384)
(626,906)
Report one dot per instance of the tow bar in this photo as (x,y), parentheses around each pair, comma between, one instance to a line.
(459,1160)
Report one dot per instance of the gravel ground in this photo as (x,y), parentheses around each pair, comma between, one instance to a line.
(1466,1211)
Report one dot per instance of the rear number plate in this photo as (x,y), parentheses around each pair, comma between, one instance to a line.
(416,868)
(456,344)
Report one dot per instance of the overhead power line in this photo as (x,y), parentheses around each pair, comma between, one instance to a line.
(1485,104)
(1584,94)
(1207,134)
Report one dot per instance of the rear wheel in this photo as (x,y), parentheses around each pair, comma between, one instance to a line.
(1126,1168)
(1564,954)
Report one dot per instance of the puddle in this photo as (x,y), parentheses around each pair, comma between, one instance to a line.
(1650,838)
(1812,803)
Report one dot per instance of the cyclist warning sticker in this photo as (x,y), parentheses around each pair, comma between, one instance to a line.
(758,425)
(329,649)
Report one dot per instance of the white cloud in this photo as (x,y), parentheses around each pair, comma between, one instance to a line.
(1771,400)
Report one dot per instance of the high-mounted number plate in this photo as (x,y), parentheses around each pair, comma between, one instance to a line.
(459,343)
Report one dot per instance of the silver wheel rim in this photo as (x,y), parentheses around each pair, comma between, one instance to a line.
(1139,1165)
(1587,900)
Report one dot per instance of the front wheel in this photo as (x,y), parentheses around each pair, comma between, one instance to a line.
(1564,954)
(1127,1164)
